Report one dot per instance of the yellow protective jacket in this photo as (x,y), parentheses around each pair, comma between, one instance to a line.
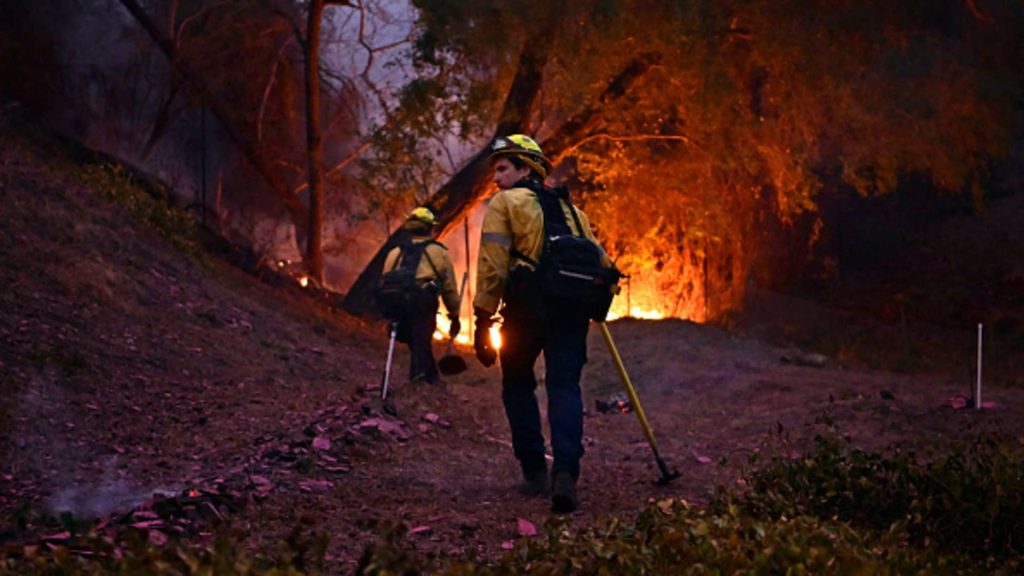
(437,254)
(514,219)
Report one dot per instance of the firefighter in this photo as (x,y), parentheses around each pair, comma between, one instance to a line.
(511,242)
(434,275)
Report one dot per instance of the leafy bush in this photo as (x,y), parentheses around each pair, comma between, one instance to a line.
(118,184)
(970,501)
(671,537)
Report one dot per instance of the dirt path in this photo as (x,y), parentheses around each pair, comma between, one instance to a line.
(712,399)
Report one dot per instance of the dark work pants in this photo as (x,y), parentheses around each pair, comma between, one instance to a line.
(562,336)
(419,328)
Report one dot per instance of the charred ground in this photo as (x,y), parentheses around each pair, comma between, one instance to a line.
(131,365)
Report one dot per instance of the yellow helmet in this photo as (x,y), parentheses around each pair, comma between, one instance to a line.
(424,215)
(525,148)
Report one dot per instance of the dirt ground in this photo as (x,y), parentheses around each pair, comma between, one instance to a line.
(128,369)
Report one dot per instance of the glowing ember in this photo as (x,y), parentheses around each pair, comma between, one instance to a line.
(303,280)
(495,334)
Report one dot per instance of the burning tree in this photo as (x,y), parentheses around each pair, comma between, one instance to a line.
(753,109)
(692,132)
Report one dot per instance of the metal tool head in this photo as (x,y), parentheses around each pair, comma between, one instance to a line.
(667,475)
(665,479)
(451,364)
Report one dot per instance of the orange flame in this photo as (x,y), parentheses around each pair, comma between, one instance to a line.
(646,296)
(643,302)
(465,337)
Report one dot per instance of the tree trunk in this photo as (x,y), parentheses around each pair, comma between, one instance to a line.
(314,145)
(223,113)
(470,183)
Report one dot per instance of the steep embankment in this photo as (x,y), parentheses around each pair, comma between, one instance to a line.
(132,365)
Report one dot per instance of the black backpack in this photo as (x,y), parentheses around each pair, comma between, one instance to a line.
(398,293)
(571,271)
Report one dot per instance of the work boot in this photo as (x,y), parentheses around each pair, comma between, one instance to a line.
(563,493)
(535,482)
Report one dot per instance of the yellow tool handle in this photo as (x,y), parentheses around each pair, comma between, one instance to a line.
(633,399)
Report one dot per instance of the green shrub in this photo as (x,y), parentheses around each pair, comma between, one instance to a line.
(671,537)
(970,501)
(117,183)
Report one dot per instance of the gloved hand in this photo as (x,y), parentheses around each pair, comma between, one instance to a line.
(485,352)
(455,328)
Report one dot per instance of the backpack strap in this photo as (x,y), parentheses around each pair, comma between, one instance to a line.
(572,210)
(401,255)
(517,254)
(427,256)
(559,194)
(421,248)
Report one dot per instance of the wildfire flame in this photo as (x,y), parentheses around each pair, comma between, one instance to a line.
(303,280)
(465,336)
(648,306)
(444,325)
(638,313)
(644,294)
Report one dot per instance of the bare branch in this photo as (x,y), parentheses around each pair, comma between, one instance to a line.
(394,44)
(972,6)
(223,112)
(163,118)
(172,18)
(266,92)
(337,167)
(630,138)
(178,31)
(448,154)
(291,166)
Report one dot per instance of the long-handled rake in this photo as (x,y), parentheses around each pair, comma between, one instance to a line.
(666,474)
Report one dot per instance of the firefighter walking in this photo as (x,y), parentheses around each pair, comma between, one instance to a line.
(518,221)
(425,265)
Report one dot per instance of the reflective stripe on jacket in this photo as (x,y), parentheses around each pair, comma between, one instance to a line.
(513,219)
(445,276)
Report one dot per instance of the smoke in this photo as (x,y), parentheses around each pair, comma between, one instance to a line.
(110,494)
(44,410)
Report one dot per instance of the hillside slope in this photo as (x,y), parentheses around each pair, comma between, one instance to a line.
(128,364)
(131,366)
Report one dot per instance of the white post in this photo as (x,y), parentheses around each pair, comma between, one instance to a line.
(977,389)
